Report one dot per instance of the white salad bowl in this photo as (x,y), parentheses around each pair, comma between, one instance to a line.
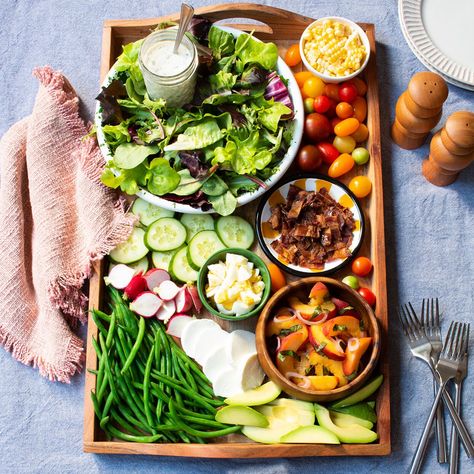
(245,198)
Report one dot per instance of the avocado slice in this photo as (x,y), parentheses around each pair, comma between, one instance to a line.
(241,415)
(343,420)
(310,434)
(258,396)
(291,402)
(270,435)
(364,410)
(361,394)
(350,434)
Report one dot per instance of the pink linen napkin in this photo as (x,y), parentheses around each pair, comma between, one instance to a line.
(57,218)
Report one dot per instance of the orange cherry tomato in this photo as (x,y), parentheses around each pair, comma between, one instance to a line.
(341,165)
(344,110)
(361,266)
(360,109)
(360,186)
(361,134)
(293,56)
(301,77)
(332,91)
(367,295)
(346,127)
(335,121)
(278,278)
(361,86)
(313,87)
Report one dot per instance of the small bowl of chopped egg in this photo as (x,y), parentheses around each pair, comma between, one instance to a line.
(234,284)
(334,49)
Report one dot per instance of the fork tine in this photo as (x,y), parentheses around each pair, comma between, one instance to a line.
(423,322)
(455,340)
(437,314)
(432,314)
(448,339)
(415,322)
(462,343)
(466,344)
(401,316)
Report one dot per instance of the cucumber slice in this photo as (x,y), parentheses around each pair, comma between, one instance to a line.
(187,185)
(148,212)
(132,250)
(195,223)
(180,268)
(165,234)
(202,246)
(162,259)
(235,232)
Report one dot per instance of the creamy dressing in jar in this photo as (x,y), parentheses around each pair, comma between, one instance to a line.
(160,59)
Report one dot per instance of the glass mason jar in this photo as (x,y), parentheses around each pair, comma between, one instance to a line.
(167,75)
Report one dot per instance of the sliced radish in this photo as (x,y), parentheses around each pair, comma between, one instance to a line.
(193,292)
(340,304)
(177,323)
(168,308)
(119,276)
(155,276)
(146,304)
(183,300)
(167,290)
(136,286)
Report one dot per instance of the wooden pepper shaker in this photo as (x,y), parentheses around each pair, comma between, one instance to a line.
(451,149)
(419,109)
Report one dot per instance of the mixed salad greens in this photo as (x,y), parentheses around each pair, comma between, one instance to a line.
(228,141)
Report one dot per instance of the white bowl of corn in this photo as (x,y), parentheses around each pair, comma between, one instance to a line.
(334,48)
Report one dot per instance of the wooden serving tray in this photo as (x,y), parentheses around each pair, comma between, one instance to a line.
(283,28)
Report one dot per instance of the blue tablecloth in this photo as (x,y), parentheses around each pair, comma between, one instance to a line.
(429,242)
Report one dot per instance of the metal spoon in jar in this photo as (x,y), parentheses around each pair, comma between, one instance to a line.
(187,13)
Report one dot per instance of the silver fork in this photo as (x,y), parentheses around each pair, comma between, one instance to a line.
(447,368)
(421,348)
(460,376)
(430,324)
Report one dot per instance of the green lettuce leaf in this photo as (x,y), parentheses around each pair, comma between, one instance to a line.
(116,134)
(222,81)
(130,155)
(128,62)
(270,117)
(220,42)
(127,180)
(251,50)
(162,179)
(214,186)
(224,204)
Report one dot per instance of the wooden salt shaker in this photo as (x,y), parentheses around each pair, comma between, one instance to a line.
(418,109)
(451,149)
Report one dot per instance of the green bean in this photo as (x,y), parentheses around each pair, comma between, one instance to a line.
(99,324)
(102,315)
(124,423)
(110,334)
(103,385)
(107,406)
(108,369)
(93,372)
(157,350)
(137,439)
(136,346)
(203,421)
(104,421)
(129,416)
(186,411)
(146,390)
(95,402)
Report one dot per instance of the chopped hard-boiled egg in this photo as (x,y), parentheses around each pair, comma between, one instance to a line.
(235,285)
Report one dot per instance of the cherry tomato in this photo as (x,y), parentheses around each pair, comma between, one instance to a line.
(361,155)
(308,105)
(335,121)
(344,144)
(361,86)
(367,295)
(329,152)
(344,110)
(347,127)
(352,281)
(332,91)
(361,134)
(313,87)
(278,279)
(310,158)
(341,165)
(301,77)
(360,108)
(322,104)
(317,127)
(332,109)
(361,266)
(360,186)
(347,92)
(293,56)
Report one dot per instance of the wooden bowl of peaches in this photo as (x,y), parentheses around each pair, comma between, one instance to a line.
(318,339)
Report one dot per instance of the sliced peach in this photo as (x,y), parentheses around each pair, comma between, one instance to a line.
(319,292)
(283,321)
(294,340)
(285,363)
(328,345)
(334,366)
(302,365)
(313,312)
(323,382)
(351,362)
(342,325)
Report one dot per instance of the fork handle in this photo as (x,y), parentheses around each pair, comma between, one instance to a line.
(420,449)
(440,431)
(454,452)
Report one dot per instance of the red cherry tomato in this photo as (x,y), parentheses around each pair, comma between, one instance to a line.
(367,295)
(329,152)
(360,85)
(317,127)
(293,56)
(322,104)
(347,92)
(332,109)
(310,158)
(332,91)
(361,266)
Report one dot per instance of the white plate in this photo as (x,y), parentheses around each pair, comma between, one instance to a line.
(245,198)
(441,36)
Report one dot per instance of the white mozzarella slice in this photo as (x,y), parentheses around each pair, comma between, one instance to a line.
(191,333)
(216,363)
(241,344)
(227,383)
(207,342)
(251,372)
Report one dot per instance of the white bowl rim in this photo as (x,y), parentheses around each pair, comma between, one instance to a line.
(247,197)
(365,41)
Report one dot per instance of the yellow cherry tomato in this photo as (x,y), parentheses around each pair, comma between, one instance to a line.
(344,144)
(360,108)
(293,56)
(313,87)
(360,186)
(341,165)
(278,279)
(332,91)
(361,134)
(301,77)
(344,110)
(346,127)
